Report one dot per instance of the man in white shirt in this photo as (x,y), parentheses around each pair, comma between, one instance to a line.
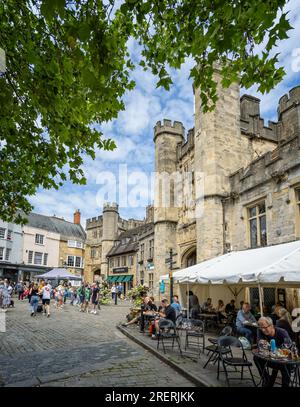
(46,295)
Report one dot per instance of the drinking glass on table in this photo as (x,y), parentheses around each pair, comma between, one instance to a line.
(287,343)
(263,347)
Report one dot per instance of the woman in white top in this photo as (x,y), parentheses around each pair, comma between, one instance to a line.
(113,291)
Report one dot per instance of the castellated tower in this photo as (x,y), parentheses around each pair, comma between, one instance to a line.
(289,114)
(110,231)
(167,136)
(219,151)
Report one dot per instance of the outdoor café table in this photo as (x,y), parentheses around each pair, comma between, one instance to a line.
(276,363)
(184,312)
(208,316)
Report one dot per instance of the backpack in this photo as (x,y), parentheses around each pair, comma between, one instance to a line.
(244,341)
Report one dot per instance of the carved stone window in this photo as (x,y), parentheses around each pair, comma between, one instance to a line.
(257,224)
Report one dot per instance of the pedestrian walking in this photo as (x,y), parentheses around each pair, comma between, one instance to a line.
(60,296)
(29,291)
(20,290)
(113,291)
(46,296)
(66,293)
(73,296)
(120,290)
(6,293)
(95,297)
(81,295)
(1,293)
(88,294)
(34,299)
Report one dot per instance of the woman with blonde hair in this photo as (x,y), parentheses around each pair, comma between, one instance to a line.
(285,321)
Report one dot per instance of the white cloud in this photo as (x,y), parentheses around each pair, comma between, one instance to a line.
(133,130)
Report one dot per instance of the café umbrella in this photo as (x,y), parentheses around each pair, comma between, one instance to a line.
(276,265)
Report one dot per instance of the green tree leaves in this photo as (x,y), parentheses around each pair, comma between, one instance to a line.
(68,68)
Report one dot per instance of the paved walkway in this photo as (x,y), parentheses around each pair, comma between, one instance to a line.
(75,349)
(191,364)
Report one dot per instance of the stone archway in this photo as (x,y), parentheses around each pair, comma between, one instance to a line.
(97,275)
(189,257)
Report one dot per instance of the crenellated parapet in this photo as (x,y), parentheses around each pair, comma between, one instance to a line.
(289,100)
(252,125)
(94,222)
(168,127)
(110,206)
(189,144)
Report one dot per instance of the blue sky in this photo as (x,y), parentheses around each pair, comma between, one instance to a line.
(133,132)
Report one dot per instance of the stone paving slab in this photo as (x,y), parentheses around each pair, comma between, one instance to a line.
(191,365)
(77,349)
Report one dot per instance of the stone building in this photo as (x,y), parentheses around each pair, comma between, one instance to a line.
(239,181)
(42,243)
(49,241)
(145,267)
(72,244)
(102,233)
(130,260)
(11,241)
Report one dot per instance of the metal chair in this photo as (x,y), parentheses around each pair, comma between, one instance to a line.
(226,331)
(195,335)
(167,330)
(213,350)
(229,342)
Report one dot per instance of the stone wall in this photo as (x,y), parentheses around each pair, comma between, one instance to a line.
(273,180)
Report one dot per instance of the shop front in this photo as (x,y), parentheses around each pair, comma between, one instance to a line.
(126,280)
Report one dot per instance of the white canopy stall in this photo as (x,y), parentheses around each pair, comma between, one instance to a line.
(271,266)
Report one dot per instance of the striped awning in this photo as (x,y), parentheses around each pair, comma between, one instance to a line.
(127,278)
(112,279)
(119,279)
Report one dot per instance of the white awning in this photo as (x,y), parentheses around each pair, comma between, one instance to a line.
(270,265)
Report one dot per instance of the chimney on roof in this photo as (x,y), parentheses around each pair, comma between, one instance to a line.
(77,217)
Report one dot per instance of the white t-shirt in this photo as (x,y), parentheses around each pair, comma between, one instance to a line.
(113,289)
(46,292)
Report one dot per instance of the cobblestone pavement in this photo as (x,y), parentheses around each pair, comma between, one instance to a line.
(75,349)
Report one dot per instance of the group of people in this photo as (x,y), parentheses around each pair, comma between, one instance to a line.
(246,323)
(117,291)
(221,311)
(87,296)
(149,309)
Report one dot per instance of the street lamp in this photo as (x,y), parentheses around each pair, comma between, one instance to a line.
(171,262)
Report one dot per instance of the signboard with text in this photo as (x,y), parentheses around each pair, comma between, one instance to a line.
(120,270)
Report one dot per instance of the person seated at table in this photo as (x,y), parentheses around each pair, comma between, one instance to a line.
(230,307)
(151,305)
(167,312)
(275,307)
(285,322)
(221,311)
(243,318)
(146,308)
(274,313)
(207,305)
(268,331)
(176,305)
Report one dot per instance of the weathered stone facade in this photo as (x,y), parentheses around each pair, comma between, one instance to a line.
(102,232)
(233,162)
